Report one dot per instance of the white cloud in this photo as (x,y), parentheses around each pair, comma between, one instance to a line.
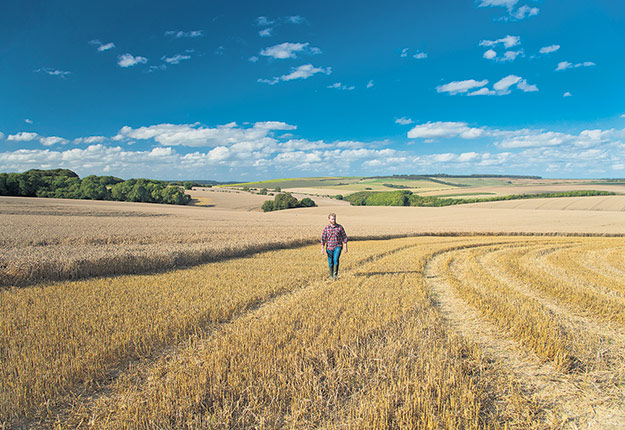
(440,129)
(288,50)
(503,85)
(525,87)
(102,46)
(490,54)
(511,55)
(53,72)
(518,13)
(563,65)
(179,34)
(525,12)
(483,92)
(457,87)
(567,94)
(265,32)
(194,135)
(296,19)
(506,3)
(418,55)
(23,136)
(264,21)
(53,140)
(508,41)
(1,135)
(274,125)
(623,115)
(128,60)
(28,121)
(370,84)
(175,59)
(339,86)
(403,121)
(253,59)
(302,72)
(89,139)
(549,49)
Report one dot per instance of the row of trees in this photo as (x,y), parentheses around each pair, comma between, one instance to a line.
(287,201)
(64,183)
(407,198)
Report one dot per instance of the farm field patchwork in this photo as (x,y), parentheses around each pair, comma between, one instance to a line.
(424,332)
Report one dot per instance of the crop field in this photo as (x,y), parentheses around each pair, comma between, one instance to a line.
(423,332)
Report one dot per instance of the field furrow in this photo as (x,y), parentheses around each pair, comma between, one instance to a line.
(530,268)
(568,400)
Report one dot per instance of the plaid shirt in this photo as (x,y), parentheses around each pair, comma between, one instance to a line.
(333,236)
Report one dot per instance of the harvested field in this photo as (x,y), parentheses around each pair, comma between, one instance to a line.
(532,189)
(590,203)
(424,332)
(55,239)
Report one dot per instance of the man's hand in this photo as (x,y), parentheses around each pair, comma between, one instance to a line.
(345,248)
(323,251)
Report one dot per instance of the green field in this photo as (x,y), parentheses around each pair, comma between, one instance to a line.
(348,184)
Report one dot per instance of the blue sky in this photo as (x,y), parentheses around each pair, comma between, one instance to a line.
(257,90)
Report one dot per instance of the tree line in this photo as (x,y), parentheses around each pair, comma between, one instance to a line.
(407,198)
(66,184)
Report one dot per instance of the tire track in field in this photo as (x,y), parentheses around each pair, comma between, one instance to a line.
(137,369)
(560,392)
(606,344)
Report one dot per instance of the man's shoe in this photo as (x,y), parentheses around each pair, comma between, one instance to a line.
(336,271)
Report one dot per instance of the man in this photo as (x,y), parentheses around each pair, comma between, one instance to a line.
(333,240)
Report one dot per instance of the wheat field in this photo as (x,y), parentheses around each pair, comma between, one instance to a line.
(423,332)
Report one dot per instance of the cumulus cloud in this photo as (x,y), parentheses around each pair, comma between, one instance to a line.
(128,60)
(563,65)
(444,130)
(263,21)
(457,87)
(265,32)
(194,135)
(369,84)
(508,41)
(419,55)
(295,19)
(23,136)
(549,49)
(53,72)
(89,139)
(514,13)
(288,50)
(175,59)
(525,12)
(1,135)
(102,46)
(340,86)
(490,54)
(404,52)
(53,140)
(190,34)
(567,94)
(28,121)
(302,72)
(500,88)
(403,121)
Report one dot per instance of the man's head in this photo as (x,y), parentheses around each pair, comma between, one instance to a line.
(332,218)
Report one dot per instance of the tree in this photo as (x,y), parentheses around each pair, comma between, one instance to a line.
(263,192)
(267,206)
(307,203)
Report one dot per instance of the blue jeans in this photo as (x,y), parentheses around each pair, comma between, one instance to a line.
(334,255)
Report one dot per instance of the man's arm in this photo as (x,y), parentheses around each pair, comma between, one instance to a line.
(344,239)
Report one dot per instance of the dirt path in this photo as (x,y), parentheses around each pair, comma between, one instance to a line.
(564,396)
